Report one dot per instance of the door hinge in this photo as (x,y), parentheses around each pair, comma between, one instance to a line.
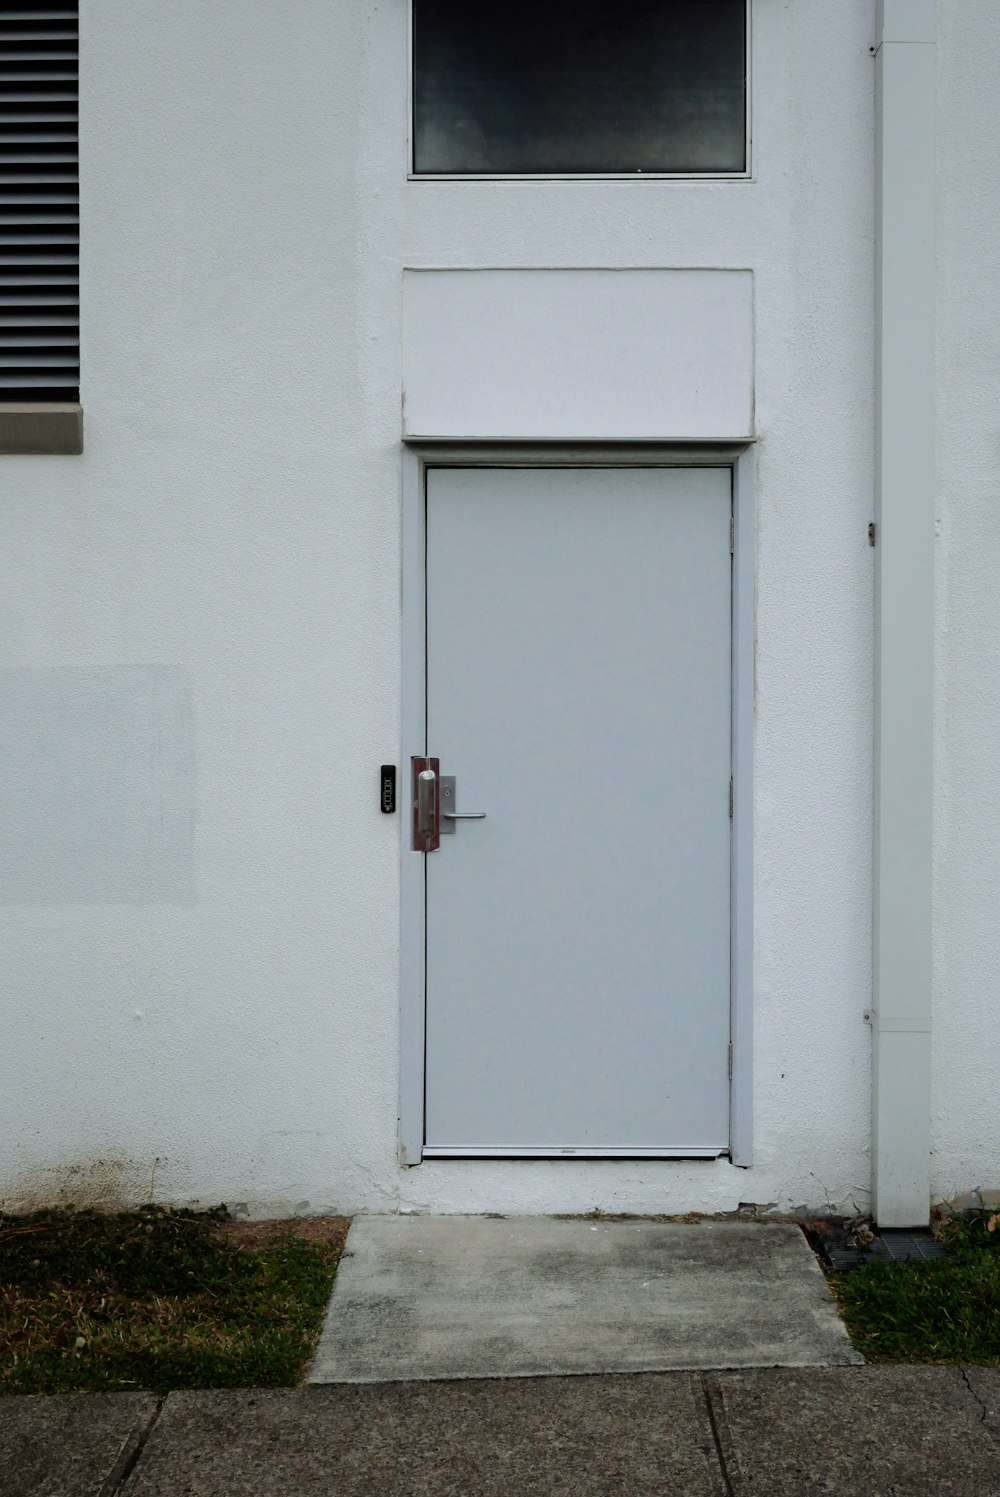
(730,797)
(730,1060)
(732,535)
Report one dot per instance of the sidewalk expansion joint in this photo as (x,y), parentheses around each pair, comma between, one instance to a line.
(706,1389)
(129,1454)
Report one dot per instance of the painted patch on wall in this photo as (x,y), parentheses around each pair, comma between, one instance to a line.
(97,786)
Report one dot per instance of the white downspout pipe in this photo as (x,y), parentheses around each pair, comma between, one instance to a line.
(904,610)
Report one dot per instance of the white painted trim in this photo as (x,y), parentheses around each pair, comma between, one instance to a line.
(904,613)
(412,871)
(744,176)
(741,458)
(741,947)
(608,444)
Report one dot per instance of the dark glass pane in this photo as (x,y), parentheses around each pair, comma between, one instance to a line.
(567,86)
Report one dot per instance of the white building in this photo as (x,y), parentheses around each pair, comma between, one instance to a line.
(424,363)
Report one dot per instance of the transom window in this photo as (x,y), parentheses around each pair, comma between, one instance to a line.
(579,87)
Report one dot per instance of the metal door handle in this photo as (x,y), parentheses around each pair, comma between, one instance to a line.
(426,803)
(449,796)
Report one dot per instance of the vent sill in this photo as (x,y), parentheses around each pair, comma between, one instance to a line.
(41,428)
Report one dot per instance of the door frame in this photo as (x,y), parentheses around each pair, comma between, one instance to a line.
(417,459)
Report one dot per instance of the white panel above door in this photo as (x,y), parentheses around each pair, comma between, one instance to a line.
(578,355)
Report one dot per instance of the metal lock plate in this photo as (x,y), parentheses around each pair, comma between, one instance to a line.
(424,781)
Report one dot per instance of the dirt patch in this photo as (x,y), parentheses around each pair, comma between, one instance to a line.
(328,1230)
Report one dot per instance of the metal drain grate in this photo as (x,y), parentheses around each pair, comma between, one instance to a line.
(891,1245)
(901,1245)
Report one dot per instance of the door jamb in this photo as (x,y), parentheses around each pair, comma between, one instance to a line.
(417,458)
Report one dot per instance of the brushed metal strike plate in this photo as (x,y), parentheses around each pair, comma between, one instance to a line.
(447,827)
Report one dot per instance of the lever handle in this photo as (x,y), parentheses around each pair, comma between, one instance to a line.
(426,803)
(449,796)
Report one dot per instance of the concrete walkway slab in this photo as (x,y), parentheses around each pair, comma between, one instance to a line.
(881,1431)
(577,1437)
(72,1445)
(469,1297)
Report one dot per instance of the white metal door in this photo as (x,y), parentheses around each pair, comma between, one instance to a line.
(578,659)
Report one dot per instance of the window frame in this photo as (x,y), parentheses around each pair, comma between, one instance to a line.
(412,175)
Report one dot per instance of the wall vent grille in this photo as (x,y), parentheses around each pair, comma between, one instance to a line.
(39,202)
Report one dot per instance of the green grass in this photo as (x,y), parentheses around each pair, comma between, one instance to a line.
(944,1310)
(154,1299)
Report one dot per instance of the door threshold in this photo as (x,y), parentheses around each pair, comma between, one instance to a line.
(586,1152)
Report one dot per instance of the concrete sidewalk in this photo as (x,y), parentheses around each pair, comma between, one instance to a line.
(909,1431)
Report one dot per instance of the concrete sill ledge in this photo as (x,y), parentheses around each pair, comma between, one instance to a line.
(42,428)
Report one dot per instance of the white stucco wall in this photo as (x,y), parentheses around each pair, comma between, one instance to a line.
(965,1120)
(233,530)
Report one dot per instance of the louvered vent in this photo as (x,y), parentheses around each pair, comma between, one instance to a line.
(39,202)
